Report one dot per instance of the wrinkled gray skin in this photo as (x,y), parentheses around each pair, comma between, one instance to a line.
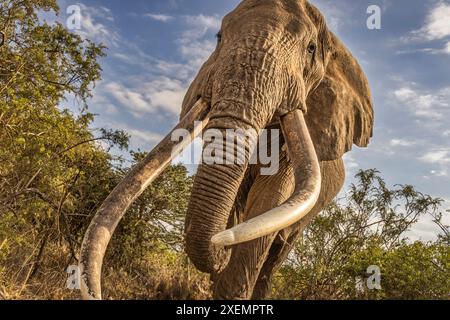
(273,56)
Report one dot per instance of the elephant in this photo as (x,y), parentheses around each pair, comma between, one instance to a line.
(276,66)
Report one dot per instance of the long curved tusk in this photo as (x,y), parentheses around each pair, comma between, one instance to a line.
(114,207)
(307,189)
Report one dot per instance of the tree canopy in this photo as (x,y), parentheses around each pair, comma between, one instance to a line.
(367,228)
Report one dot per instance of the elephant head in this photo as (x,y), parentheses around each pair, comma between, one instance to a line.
(276,63)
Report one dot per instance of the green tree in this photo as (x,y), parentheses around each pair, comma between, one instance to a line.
(53,173)
(368,228)
(155,221)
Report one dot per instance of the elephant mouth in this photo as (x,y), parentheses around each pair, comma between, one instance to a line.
(307,188)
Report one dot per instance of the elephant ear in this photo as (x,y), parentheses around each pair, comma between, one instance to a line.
(340,109)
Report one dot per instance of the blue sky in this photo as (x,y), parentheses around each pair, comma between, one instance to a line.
(156,48)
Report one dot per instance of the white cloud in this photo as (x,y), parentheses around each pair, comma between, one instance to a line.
(437,156)
(93,25)
(101,12)
(152,97)
(204,22)
(447,47)
(159,17)
(334,15)
(437,23)
(155,67)
(130,99)
(102,105)
(166,94)
(179,70)
(144,138)
(436,27)
(162,84)
(445,50)
(424,229)
(139,139)
(440,158)
(428,105)
(404,94)
(192,44)
(350,163)
(197,52)
(402,143)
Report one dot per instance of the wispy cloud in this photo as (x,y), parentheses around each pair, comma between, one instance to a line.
(193,44)
(159,17)
(97,25)
(128,98)
(139,139)
(436,27)
(161,87)
(437,24)
(428,105)
(351,165)
(334,15)
(144,138)
(166,94)
(444,50)
(152,97)
(402,143)
(439,158)
(204,22)
(102,105)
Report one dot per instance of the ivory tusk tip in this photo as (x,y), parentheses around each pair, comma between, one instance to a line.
(224,238)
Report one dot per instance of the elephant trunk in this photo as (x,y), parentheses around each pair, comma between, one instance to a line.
(215,188)
(244,98)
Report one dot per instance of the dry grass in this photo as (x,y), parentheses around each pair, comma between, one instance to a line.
(158,276)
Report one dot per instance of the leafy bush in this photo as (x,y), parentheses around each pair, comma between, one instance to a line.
(367,229)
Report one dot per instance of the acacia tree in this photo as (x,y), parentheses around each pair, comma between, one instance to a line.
(367,228)
(155,221)
(52,173)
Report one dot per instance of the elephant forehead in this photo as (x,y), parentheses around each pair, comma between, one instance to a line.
(272,16)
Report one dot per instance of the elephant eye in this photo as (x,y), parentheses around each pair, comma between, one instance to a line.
(312,48)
